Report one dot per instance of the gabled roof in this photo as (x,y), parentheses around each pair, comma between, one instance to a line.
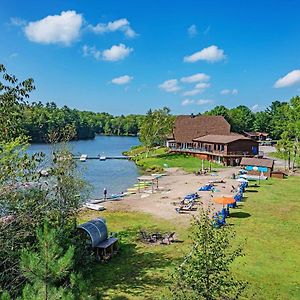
(221,139)
(188,127)
(258,162)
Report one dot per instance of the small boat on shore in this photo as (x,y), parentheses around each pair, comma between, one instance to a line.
(102,157)
(92,206)
(83,157)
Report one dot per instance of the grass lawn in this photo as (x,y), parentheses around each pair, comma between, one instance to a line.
(269,220)
(139,271)
(159,158)
(272,232)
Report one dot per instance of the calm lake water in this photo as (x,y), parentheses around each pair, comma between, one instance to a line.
(116,175)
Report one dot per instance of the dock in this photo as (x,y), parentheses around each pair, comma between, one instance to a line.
(84,157)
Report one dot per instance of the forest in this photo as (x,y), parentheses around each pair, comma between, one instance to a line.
(39,120)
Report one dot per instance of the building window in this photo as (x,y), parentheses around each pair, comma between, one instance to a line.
(222,147)
(215,147)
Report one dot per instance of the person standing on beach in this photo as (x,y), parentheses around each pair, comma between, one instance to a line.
(105,193)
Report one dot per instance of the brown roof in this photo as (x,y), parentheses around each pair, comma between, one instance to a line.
(188,128)
(255,133)
(258,162)
(221,139)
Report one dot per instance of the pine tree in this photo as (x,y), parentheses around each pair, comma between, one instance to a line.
(47,268)
(205,271)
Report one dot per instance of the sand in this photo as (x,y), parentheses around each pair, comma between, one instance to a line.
(172,188)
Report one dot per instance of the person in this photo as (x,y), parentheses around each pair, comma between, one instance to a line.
(105,193)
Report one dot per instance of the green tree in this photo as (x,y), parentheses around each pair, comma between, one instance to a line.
(12,100)
(205,272)
(46,268)
(241,119)
(262,121)
(219,110)
(155,128)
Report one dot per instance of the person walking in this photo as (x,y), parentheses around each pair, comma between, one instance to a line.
(105,193)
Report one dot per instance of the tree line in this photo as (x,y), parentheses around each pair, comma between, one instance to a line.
(40,120)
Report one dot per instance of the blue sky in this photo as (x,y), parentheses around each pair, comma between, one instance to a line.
(128,56)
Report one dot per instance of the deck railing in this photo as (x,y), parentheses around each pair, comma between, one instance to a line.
(211,152)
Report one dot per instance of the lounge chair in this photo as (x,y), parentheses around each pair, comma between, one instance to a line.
(207,188)
(186,208)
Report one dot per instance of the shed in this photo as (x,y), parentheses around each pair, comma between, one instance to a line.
(96,234)
(278,174)
(256,166)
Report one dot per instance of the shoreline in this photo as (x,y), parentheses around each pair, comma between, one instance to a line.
(172,188)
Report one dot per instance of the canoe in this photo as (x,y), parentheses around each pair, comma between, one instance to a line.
(97,207)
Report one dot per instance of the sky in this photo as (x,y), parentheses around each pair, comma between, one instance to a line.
(127,56)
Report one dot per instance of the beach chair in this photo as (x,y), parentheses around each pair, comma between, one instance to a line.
(206,188)
(185,208)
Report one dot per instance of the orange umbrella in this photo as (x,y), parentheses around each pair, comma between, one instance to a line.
(224,200)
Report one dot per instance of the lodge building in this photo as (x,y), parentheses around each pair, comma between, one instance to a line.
(210,138)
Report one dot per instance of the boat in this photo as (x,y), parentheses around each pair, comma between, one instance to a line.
(83,157)
(92,206)
(253,177)
(102,157)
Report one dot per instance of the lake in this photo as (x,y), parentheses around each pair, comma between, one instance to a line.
(116,175)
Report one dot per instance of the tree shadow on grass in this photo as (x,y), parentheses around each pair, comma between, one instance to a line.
(135,270)
(240,215)
(252,191)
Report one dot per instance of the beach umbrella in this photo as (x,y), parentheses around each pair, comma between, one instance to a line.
(224,200)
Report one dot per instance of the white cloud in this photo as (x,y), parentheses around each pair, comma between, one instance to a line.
(91,51)
(255,108)
(197,102)
(195,78)
(57,29)
(209,54)
(187,102)
(170,86)
(122,79)
(202,85)
(192,30)
(203,101)
(231,92)
(17,21)
(207,30)
(192,92)
(116,52)
(199,88)
(122,25)
(289,79)
(13,55)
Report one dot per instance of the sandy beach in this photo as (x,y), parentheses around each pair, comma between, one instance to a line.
(172,189)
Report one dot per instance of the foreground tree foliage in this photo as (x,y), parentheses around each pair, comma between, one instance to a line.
(205,271)
(27,198)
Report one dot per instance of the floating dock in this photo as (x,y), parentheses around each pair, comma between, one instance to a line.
(85,157)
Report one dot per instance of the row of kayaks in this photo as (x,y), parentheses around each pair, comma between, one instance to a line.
(95,204)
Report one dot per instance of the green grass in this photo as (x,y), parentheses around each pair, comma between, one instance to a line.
(269,220)
(159,158)
(139,271)
(270,223)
